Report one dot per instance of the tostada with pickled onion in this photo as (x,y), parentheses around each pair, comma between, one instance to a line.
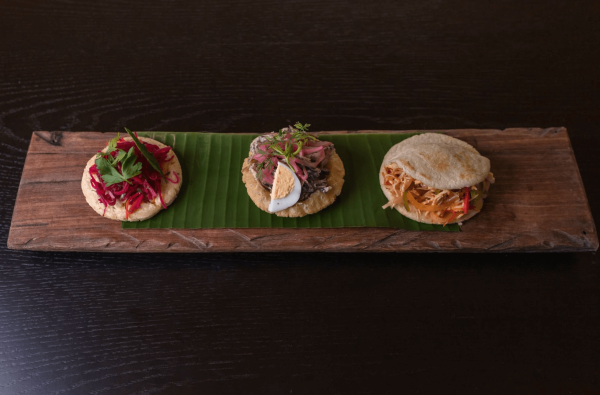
(292,173)
(132,179)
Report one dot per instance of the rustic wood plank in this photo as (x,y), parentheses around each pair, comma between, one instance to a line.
(537,204)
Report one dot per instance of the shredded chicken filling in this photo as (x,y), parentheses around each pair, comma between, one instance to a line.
(440,206)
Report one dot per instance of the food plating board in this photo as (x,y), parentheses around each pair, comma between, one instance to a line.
(537,204)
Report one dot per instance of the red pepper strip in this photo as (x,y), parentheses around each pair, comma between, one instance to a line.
(130,203)
(136,204)
(467,198)
(454,215)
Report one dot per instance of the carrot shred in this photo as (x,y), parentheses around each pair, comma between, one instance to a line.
(440,206)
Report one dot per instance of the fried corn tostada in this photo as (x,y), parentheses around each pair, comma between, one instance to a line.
(132,179)
(292,173)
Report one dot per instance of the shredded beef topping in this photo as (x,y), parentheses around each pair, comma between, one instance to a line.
(309,164)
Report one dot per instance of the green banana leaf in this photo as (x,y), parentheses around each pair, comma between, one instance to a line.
(214,196)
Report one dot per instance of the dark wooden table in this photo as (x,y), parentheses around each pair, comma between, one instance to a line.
(75,323)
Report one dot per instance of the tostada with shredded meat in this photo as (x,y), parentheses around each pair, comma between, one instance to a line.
(435,179)
(292,173)
(132,179)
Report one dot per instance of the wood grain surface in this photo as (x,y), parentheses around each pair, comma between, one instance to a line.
(302,323)
(535,170)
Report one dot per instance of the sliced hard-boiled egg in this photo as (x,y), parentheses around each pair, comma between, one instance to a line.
(286,189)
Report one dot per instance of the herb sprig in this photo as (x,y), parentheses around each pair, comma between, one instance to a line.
(303,128)
(108,165)
(149,157)
(287,143)
(298,135)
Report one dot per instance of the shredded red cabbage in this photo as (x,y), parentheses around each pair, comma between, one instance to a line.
(142,188)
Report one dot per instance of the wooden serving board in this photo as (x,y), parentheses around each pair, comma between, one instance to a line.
(538,203)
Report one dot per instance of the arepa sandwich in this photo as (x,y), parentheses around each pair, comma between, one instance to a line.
(435,179)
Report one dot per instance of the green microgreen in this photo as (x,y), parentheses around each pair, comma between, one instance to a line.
(298,135)
(303,128)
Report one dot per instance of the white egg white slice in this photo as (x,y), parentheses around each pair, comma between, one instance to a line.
(292,198)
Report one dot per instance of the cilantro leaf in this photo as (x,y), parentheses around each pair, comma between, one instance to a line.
(109,173)
(112,144)
(103,165)
(149,157)
(120,156)
(128,166)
